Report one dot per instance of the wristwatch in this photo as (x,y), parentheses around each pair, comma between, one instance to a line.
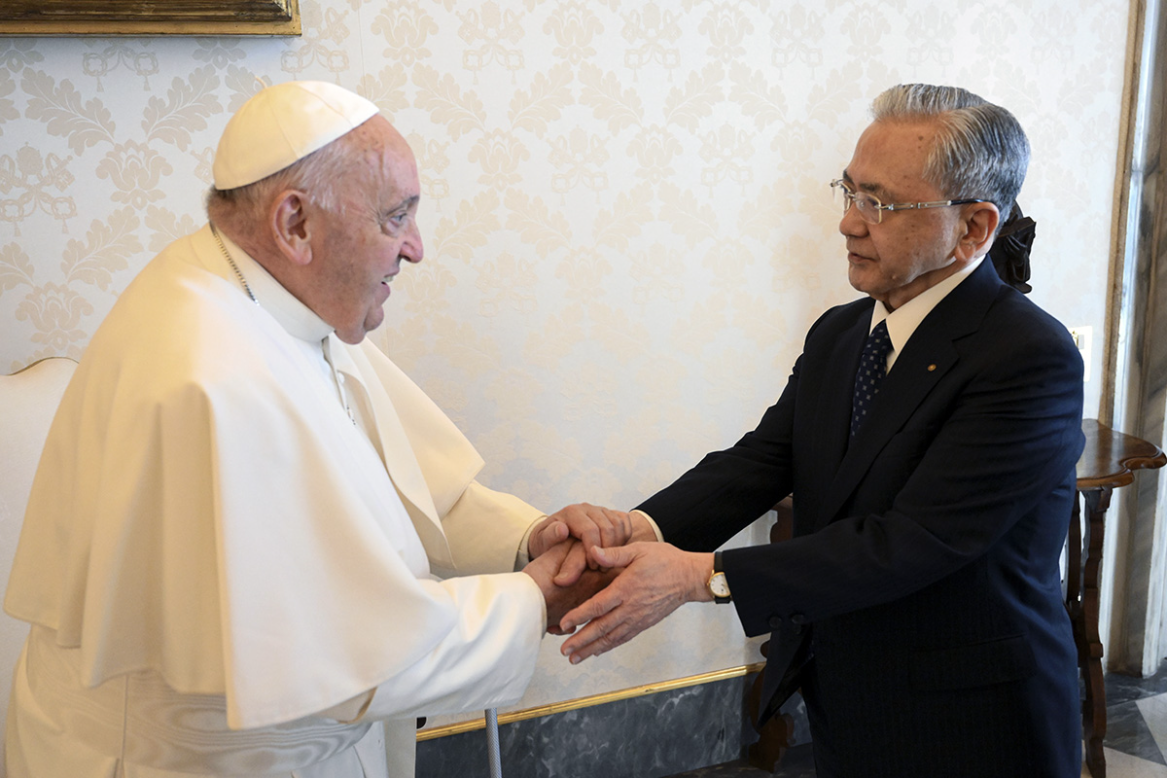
(717,585)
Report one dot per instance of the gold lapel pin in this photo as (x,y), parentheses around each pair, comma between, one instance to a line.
(931,368)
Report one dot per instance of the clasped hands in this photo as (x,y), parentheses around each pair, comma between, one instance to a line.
(603,572)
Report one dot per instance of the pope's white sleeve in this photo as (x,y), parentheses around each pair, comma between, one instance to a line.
(485,661)
(484,529)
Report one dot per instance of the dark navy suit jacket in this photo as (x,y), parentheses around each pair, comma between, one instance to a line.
(923,577)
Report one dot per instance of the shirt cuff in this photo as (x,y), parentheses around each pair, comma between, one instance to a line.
(523,556)
(659,536)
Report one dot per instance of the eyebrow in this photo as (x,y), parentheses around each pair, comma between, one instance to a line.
(408,202)
(874,189)
(385,213)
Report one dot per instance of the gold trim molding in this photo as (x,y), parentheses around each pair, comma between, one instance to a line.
(149,17)
(595,699)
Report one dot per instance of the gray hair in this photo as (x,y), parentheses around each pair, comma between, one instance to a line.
(316,175)
(980,151)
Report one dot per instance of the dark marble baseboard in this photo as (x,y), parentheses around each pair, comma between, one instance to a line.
(643,737)
(797,763)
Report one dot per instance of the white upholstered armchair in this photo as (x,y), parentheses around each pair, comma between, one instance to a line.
(28,401)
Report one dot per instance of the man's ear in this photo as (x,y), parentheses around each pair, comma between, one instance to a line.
(288,220)
(979,225)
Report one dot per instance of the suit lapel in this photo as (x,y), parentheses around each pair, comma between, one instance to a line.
(928,357)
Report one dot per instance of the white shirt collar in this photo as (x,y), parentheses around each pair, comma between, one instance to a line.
(903,321)
(298,319)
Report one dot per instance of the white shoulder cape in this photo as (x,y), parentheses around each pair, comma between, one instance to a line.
(204,509)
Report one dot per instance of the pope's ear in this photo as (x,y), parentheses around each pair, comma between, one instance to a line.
(980,225)
(289,225)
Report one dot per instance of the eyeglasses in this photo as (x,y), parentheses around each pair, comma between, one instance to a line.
(871,209)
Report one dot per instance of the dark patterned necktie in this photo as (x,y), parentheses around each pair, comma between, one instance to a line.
(872,369)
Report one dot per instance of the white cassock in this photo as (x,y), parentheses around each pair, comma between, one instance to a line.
(230,540)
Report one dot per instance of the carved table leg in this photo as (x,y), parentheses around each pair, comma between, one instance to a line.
(1085,620)
(774,736)
(774,742)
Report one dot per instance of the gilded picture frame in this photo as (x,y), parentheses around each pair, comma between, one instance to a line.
(149,17)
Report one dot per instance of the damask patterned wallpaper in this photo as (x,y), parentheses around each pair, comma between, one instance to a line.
(625,206)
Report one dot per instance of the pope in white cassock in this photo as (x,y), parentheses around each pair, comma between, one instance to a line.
(230,555)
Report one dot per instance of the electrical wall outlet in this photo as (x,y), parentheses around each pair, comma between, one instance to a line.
(1084,340)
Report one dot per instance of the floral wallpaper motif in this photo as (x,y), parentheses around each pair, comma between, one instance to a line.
(625,207)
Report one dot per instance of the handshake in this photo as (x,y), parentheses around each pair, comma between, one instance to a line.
(605,571)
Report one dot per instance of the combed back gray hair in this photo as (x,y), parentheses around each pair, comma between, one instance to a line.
(315,175)
(980,151)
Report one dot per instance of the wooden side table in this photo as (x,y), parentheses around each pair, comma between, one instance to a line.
(1108,462)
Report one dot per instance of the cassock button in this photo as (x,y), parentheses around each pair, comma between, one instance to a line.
(798,621)
(775,622)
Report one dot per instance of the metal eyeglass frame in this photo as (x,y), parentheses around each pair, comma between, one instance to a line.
(864,200)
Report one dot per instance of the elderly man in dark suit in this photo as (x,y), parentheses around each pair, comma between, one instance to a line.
(928,435)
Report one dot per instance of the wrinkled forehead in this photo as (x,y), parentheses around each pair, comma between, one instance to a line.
(382,160)
(891,157)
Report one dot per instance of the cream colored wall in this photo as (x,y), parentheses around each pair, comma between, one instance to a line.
(625,206)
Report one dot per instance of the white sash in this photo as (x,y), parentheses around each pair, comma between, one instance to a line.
(138,719)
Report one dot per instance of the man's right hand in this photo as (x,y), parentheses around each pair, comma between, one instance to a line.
(657,578)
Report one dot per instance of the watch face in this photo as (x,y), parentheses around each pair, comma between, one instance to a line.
(718,585)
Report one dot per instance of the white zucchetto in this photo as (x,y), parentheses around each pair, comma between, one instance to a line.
(281,125)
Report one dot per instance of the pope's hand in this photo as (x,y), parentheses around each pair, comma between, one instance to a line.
(594,526)
(658,578)
(560,599)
